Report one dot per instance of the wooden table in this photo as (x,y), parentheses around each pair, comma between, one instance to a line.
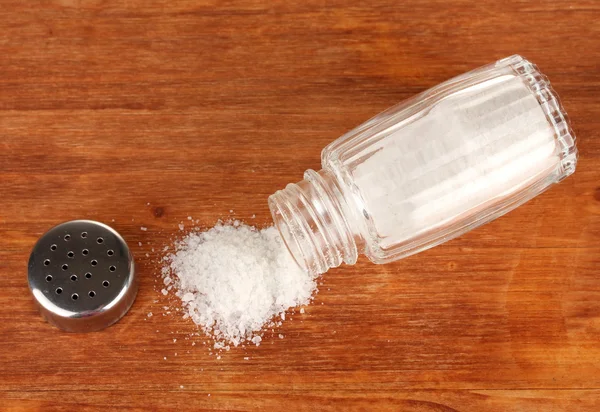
(142,113)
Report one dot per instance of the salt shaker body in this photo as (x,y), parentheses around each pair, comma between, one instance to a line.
(429,169)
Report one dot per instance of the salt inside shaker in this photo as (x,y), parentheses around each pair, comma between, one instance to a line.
(429,169)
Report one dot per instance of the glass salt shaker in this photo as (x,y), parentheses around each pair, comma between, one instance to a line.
(429,169)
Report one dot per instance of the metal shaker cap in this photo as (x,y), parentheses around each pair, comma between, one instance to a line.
(82,276)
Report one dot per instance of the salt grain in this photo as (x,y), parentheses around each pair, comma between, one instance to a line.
(234,279)
(143,229)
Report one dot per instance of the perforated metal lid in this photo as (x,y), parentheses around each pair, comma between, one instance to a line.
(82,276)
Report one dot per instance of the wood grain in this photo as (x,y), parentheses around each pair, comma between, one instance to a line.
(141,113)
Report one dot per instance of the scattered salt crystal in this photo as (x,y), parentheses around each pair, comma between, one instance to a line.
(174,340)
(164,292)
(147,255)
(189,218)
(140,244)
(253,216)
(230,210)
(180,386)
(165,358)
(233,279)
(246,358)
(149,314)
(143,228)
(301,310)
(280,336)
(193,343)
(218,357)
(167,280)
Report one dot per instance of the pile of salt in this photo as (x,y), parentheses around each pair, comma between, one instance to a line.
(234,279)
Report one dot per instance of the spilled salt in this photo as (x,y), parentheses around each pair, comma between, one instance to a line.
(234,279)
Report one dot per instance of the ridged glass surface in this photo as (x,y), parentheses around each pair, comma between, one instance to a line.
(450,159)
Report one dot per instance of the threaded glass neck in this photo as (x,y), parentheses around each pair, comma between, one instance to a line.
(311,220)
